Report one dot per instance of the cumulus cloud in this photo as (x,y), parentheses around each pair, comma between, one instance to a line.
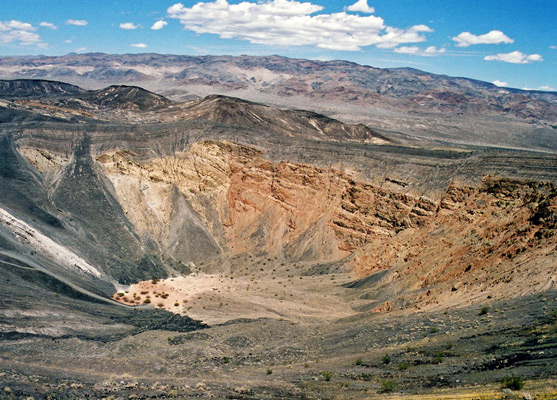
(48,25)
(19,32)
(515,57)
(466,39)
(139,45)
(361,6)
(77,22)
(500,83)
(553,47)
(128,25)
(430,51)
(291,23)
(157,26)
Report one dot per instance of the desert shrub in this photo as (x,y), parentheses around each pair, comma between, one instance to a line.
(484,310)
(513,382)
(403,366)
(147,301)
(386,359)
(438,357)
(269,371)
(326,375)
(359,361)
(387,386)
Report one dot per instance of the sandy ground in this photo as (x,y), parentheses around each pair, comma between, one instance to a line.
(216,299)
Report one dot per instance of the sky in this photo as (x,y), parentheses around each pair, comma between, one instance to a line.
(511,43)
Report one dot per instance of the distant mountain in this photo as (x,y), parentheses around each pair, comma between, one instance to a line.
(297,123)
(126,97)
(404,89)
(119,103)
(35,88)
(414,104)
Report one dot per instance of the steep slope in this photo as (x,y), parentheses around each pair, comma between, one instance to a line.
(467,240)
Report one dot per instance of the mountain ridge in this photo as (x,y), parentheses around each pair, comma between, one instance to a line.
(419,105)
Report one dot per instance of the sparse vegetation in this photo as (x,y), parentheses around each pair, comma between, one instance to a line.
(358,361)
(513,382)
(403,366)
(327,375)
(484,310)
(386,359)
(438,357)
(387,386)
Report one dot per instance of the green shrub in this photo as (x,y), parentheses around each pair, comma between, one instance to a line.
(513,382)
(438,357)
(326,375)
(359,361)
(484,310)
(269,371)
(403,366)
(386,359)
(387,386)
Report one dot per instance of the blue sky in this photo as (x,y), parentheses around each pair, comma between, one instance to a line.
(511,42)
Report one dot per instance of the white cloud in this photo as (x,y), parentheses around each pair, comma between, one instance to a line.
(361,6)
(500,83)
(19,32)
(157,26)
(67,41)
(553,47)
(291,23)
(80,49)
(129,25)
(544,88)
(139,45)
(516,57)
(76,22)
(430,51)
(466,39)
(48,25)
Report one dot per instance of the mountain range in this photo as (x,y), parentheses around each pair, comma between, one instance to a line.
(417,104)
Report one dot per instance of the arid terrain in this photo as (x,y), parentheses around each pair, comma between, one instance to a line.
(170,244)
